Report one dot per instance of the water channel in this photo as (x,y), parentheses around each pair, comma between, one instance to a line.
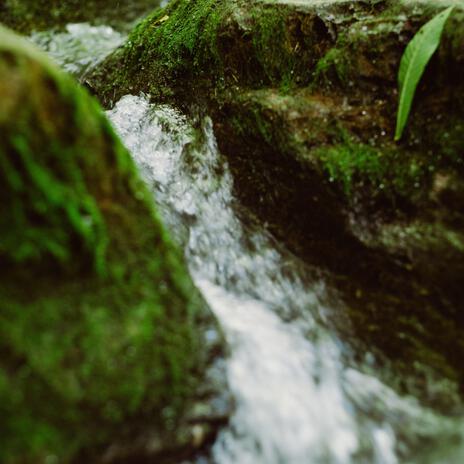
(298,400)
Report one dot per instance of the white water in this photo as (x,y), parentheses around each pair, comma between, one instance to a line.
(80,46)
(296,402)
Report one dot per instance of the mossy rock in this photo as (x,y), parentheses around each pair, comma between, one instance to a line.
(347,51)
(28,15)
(102,331)
(303,96)
(326,52)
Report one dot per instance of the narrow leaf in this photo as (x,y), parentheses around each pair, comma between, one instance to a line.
(413,63)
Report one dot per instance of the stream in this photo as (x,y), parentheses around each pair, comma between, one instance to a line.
(297,398)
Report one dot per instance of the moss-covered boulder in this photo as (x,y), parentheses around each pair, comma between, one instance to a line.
(27,15)
(102,333)
(303,95)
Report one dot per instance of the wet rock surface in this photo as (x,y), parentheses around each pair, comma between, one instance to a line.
(303,96)
(98,314)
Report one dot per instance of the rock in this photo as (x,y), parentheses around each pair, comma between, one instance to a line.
(303,95)
(27,15)
(102,334)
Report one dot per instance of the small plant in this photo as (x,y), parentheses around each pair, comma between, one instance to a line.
(413,63)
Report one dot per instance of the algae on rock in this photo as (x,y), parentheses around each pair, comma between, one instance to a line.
(101,329)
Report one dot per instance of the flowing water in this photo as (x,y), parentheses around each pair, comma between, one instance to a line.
(80,46)
(298,400)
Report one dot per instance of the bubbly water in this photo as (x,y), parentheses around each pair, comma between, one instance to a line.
(80,46)
(297,399)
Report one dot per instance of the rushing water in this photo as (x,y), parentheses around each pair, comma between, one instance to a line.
(297,399)
(297,403)
(80,46)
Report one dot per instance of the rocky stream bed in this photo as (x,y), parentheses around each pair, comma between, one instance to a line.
(315,314)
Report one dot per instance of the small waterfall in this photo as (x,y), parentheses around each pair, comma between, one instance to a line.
(296,400)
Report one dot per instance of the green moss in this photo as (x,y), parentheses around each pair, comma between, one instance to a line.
(49,212)
(271,46)
(101,329)
(346,162)
(217,43)
(172,43)
(180,35)
(382,171)
(333,65)
(92,361)
(310,131)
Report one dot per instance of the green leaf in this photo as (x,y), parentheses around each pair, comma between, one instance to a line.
(415,58)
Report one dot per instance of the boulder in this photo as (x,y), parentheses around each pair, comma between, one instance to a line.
(303,95)
(105,343)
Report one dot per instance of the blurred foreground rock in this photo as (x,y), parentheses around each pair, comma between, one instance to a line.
(103,345)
